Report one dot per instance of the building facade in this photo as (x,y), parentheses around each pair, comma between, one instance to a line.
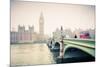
(27,36)
(22,35)
(14,37)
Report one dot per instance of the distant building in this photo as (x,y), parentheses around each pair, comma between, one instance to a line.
(77,33)
(14,37)
(67,33)
(23,35)
(57,34)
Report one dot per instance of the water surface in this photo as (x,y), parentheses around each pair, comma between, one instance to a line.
(31,54)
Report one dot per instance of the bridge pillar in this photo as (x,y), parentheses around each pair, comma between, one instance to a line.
(61,49)
(62,44)
(61,53)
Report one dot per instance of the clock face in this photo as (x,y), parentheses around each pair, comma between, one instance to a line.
(41,20)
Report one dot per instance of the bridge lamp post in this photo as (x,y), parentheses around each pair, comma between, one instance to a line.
(62,44)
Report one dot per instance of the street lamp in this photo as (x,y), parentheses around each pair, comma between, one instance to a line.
(62,43)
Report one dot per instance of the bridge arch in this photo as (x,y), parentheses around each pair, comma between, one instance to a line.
(73,54)
(74,50)
(86,50)
(57,45)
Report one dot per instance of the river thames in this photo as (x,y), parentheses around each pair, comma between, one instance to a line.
(40,54)
(31,54)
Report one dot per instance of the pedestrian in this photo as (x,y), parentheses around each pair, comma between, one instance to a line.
(75,36)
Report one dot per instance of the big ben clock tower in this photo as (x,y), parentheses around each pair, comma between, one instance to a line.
(41,24)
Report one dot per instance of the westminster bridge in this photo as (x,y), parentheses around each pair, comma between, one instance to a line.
(73,50)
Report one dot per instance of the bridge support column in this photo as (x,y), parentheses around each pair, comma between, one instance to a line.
(62,44)
(61,53)
(61,50)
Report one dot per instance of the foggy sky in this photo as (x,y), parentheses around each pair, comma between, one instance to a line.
(55,15)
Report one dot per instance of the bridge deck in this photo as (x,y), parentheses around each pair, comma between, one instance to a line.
(85,43)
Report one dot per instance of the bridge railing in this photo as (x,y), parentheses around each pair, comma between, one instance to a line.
(90,43)
(79,39)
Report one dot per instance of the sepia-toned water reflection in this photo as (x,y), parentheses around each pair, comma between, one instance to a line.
(31,54)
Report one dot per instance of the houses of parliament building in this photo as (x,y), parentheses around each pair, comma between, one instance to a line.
(28,36)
